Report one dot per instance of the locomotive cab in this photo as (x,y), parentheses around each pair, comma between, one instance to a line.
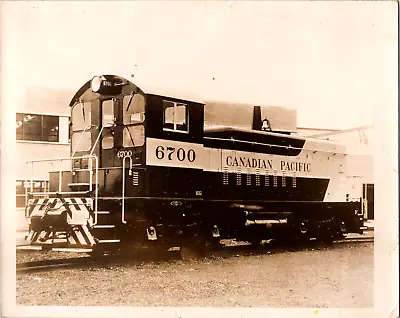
(107,116)
(124,127)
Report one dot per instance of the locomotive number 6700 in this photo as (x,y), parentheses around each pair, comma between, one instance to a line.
(171,153)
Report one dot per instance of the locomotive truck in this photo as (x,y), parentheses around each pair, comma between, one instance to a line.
(144,168)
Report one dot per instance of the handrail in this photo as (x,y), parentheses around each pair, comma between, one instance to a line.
(98,137)
(96,193)
(272,145)
(60,176)
(58,159)
(123,186)
(60,192)
(90,174)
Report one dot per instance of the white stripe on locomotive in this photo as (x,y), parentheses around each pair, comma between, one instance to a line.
(80,237)
(88,234)
(171,153)
(323,159)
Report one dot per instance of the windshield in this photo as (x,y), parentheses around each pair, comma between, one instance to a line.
(133,136)
(133,109)
(81,116)
(81,141)
(133,119)
(108,112)
(81,119)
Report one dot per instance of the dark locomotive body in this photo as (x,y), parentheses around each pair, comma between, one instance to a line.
(144,168)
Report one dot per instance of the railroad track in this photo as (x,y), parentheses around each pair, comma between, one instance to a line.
(45,265)
(355,240)
(149,255)
(88,262)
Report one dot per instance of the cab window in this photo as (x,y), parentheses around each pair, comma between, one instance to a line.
(175,116)
(81,141)
(81,138)
(133,109)
(108,140)
(81,116)
(108,112)
(133,136)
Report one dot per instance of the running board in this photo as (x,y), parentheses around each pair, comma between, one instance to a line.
(108,241)
(103,212)
(103,226)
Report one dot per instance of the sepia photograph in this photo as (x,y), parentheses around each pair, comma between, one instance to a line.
(193,158)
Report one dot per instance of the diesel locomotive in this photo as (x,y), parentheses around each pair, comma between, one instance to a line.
(145,169)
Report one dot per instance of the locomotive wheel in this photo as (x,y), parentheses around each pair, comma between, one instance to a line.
(303,240)
(214,244)
(188,253)
(255,242)
(326,238)
(192,250)
(99,250)
(285,240)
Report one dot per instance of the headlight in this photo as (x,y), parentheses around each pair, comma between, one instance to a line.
(96,83)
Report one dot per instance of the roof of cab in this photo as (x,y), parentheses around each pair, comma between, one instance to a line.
(146,88)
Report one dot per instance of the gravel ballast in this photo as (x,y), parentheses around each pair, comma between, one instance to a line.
(336,276)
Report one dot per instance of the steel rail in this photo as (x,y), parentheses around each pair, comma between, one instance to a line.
(141,255)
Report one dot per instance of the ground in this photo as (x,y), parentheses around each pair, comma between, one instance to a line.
(321,276)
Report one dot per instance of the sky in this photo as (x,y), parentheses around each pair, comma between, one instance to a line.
(335,62)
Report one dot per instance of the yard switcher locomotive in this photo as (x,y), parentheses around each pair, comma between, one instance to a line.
(145,169)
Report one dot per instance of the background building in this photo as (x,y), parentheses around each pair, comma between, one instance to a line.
(359,142)
(42,125)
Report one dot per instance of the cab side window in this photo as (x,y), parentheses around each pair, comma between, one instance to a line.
(175,116)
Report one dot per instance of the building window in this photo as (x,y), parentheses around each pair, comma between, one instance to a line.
(37,127)
(175,116)
(38,186)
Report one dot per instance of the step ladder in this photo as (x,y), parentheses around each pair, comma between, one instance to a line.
(103,230)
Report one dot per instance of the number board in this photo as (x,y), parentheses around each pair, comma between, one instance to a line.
(170,153)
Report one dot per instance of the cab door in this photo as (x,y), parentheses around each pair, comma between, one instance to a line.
(109,108)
